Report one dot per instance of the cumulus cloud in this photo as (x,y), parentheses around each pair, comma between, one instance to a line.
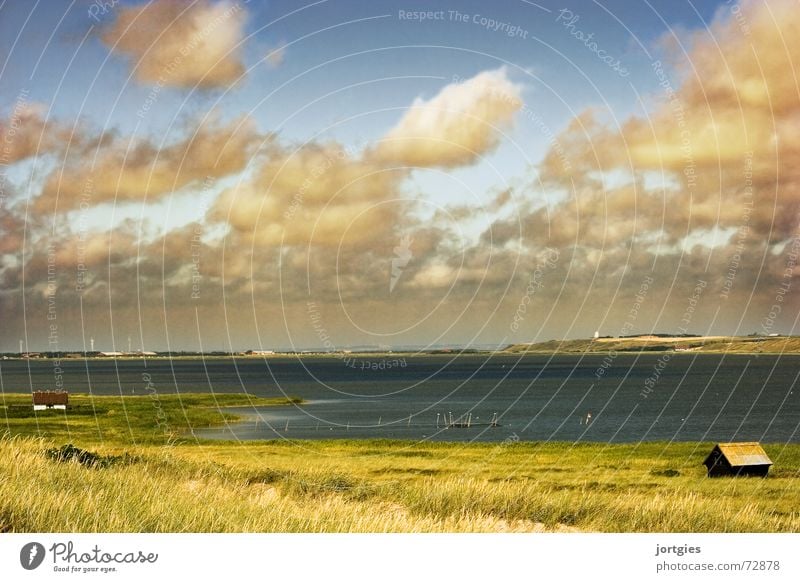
(24,133)
(275,56)
(456,127)
(12,229)
(317,194)
(702,184)
(122,169)
(723,130)
(181,44)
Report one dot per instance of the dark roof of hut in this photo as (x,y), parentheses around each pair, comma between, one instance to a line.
(50,398)
(741,454)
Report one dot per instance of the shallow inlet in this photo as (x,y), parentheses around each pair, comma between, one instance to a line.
(537,397)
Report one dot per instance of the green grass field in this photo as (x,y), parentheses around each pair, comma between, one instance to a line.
(156,419)
(146,479)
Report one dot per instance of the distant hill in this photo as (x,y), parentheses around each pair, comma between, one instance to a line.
(707,344)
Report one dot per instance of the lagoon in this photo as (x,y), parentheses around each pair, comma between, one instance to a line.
(599,398)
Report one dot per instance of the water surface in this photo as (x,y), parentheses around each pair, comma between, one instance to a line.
(630,398)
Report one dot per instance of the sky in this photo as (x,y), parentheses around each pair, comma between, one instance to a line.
(231,175)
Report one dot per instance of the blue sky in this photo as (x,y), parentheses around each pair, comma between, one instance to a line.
(57,55)
(351,69)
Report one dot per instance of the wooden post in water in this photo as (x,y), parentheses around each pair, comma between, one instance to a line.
(379,420)
(287,426)
(437,420)
(409,420)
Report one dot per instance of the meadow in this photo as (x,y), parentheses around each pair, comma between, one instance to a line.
(150,419)
(138,477)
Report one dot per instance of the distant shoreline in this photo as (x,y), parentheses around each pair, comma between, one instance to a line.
(637,345)
(727,345)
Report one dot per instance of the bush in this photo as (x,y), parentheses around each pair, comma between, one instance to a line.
(69,453)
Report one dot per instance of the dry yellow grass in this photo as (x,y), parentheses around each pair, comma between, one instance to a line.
(379,486)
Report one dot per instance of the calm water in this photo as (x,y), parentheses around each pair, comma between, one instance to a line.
(694,397)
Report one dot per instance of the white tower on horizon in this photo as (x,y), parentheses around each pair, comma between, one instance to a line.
(596,334)
(91,343)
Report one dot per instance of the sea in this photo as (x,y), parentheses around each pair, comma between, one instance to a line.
(477,397)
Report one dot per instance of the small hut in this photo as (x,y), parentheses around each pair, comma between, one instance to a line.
(43,400)
(734,459)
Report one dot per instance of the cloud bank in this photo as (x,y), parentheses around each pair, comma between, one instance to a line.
(180,44)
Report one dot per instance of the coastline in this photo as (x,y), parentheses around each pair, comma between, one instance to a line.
(687,344)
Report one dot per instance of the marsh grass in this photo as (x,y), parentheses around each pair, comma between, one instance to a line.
(385,486)
(146,419)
